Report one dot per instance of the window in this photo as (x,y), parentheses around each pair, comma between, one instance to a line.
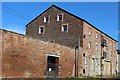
(93,64)
(89,32)
(97,62)
(84,36)
(59,17)
(114,45)
(102,67)
(110,43)
(104,55)
(96,35)
(41,30)
(102,39)
(89,45)
(46,19)
(83,71)
(85,58)
(96,47)
(83,54)
(65,28)
(105,42)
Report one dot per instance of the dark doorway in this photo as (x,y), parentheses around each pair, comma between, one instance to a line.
(52,67)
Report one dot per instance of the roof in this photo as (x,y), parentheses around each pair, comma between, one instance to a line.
(73,16)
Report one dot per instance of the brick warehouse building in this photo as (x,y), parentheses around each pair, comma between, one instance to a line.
(58,44)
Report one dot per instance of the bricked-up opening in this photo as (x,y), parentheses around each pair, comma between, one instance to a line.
(52,66)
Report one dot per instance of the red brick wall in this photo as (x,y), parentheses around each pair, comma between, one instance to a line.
(26,57)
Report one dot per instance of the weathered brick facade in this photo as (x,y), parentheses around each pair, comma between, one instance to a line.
(53,28)
(77,26)
(27,56)
(24,57)
(95,55)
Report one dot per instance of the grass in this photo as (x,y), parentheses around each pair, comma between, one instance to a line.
(94,77)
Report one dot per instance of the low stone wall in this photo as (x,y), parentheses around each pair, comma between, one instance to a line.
(25,57)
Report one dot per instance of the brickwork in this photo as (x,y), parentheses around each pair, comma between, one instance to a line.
(53,29)
(95,55)
(26,57)
(91,52)
(87,32)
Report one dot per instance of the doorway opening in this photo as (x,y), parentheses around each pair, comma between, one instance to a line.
(52,66)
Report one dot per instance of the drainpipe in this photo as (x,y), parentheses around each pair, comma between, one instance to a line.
(78,56)
(75,72)
(75,63)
